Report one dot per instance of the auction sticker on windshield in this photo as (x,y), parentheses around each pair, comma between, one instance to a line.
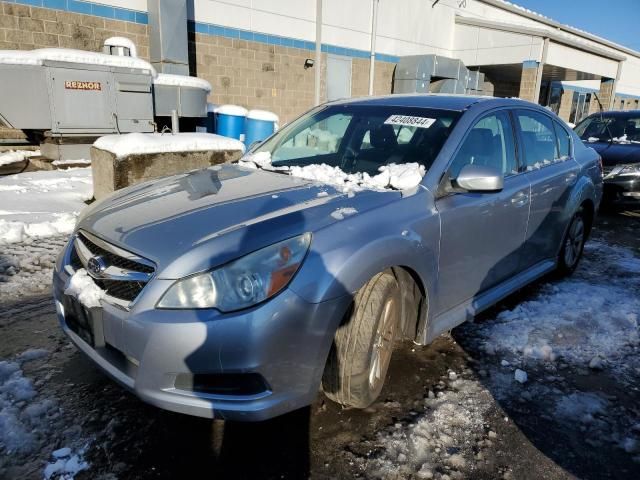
(409,121)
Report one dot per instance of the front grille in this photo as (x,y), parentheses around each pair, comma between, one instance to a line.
(117,288)
(113,259)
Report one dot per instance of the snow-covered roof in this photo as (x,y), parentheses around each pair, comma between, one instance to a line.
(181,81)
(39,56)
(148,143)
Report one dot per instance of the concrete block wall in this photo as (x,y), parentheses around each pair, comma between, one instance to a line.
(271,77)
(25,27)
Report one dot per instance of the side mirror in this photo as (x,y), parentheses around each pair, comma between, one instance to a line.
(479,178)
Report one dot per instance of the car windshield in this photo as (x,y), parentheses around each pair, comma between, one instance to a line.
(361,138)
(619,129)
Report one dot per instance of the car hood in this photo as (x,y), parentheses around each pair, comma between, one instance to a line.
(617,153)
(195,221)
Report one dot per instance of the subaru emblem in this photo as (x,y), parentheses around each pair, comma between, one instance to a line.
(96,266)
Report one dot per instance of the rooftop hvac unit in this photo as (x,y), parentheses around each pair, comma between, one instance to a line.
(62,97)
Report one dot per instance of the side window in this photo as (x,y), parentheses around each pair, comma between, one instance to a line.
(564,141)
(489,143)
(539,144)
(320,138)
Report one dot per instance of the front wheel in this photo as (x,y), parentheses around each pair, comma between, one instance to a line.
(358,362)
(572,245)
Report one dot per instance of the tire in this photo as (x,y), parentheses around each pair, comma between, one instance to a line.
(358,362)
(572,244)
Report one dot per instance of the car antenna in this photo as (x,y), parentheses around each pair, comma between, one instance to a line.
(606,125)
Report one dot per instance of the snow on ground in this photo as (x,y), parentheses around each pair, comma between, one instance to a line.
(391,177)
(592,314)
(444,435)
(148,143)
(42,204)
(29,420)
(15,156)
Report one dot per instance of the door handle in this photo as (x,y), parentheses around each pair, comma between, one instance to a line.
(571,178)
(520,199)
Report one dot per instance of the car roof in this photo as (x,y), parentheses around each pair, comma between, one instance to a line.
(617,113)
(434,100)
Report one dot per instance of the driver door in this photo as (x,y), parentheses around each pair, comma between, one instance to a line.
(482,233)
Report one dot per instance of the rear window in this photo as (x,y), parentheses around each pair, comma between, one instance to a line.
(362,138)
(564,141)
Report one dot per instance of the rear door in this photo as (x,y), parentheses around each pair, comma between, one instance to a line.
(482,234)
(550,168)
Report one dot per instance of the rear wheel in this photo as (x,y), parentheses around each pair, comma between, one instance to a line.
(363,344)
(573,244)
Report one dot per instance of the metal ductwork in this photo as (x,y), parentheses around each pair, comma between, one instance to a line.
(435,74)
(168,40)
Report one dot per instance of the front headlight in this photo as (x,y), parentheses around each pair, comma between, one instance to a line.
(633,169)
(243,282)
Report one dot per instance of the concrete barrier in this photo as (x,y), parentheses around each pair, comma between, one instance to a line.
(111,173)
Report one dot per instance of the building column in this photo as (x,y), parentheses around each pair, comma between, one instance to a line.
(607,93)
(529,85)
(565,105)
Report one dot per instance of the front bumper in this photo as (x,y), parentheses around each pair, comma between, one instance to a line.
(622,189)
(285,341)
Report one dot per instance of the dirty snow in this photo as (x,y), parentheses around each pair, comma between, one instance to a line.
(446,432)
(82,286)
(561,322)
(391,177)
(29,420)
(42,204)
(16,156)
(148,143)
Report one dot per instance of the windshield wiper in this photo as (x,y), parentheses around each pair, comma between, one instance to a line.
(606,124)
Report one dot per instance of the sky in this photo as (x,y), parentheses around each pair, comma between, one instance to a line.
(615,20)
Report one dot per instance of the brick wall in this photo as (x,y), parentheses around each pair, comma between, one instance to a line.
(528,85)
(25,28)
(271,77)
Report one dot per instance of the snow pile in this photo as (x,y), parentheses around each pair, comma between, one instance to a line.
(41,55)
(82,286)
(563,321)
(340,213)
(593,139)
(580,406)
(21,417)
(148,143)
(391,177)
(41,204)
(451,427)
(65,465)
(168,79)
(16,156)
(624,140)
